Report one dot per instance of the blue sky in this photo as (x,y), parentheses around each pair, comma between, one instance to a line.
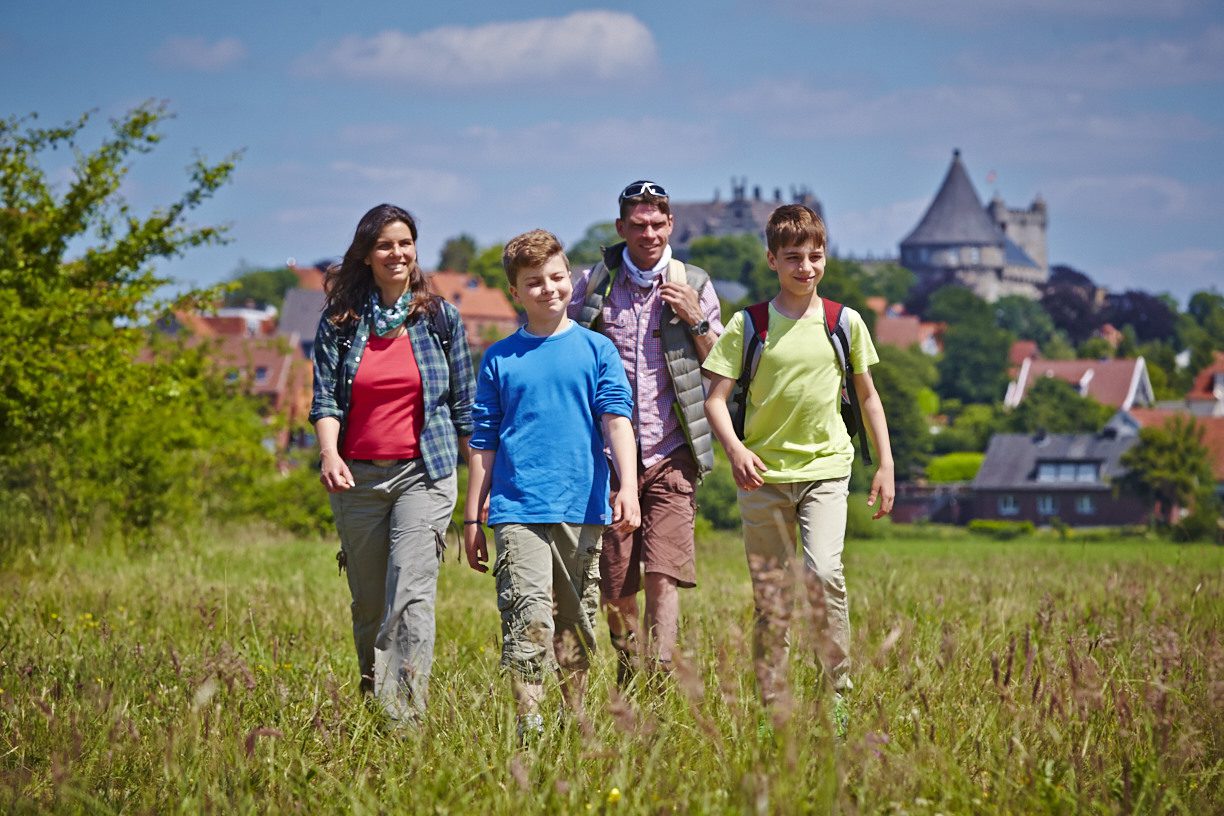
(492,118)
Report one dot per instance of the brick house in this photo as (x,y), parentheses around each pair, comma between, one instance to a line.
(1071,477)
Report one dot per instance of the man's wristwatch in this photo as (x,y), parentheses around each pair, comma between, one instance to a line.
(700,328)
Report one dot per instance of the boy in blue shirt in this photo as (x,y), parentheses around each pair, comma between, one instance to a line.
(548,399)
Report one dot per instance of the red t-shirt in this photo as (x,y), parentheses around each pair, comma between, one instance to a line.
(387,411)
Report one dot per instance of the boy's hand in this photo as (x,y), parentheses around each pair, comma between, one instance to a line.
(626,512)
(882,488)
(476,548)
(747,468)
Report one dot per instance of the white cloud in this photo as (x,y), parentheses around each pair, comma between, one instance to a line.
(983,12)
(581,46)
(1132,198)
(1124,63)
(198,54)
(399,183)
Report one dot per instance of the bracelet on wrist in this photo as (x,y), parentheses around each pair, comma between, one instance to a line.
(467,521)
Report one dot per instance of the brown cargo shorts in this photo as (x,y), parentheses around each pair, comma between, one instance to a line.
(667,492)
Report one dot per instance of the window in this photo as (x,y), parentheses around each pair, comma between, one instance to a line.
(1068,471)
(261,375)
(1084,505)
(1008,505)
(1047,505)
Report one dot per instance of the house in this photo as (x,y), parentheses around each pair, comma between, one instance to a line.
(992,250)
(893,327)
(1069,477)
(1206,396)
(1116,383)
(299,316)
(486,312)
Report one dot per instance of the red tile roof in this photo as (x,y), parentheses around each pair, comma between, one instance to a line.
(1205,381)
(904,331)
(473,297)
(1117,383)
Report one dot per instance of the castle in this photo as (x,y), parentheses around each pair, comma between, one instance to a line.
(992,250)
(741,214)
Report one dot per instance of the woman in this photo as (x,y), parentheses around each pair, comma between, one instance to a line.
(392,407)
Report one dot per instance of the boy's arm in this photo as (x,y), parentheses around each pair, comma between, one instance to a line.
(480,476)
(882,485)
(618,430)
(746,466)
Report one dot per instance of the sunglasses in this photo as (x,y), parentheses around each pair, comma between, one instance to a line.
(642,188)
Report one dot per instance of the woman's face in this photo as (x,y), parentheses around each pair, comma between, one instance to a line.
(391,260)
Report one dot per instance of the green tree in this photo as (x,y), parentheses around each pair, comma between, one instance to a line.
(889,281)
(487,265)
(973,367)
(897,379)
(1024,318)
(1055,406)
(1095,348)
(97,429)
(971,429)
(457,253)
(1206,309)
(585,252)
(1169,466)
(262,287)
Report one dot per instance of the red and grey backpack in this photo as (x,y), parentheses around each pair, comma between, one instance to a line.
(837,327)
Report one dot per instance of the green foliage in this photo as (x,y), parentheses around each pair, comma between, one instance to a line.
(1001,530)
(585,252)
(457,253)
(99,431)
(955,305)
(1058,347)
(889,281)
(955,467)
(971,429)
(1095,348)
(487,266)
(717,496)
(899,379)
(738,258)
(262,287)
(1024,318)
(973,367)
(1055,406)
(1169,465)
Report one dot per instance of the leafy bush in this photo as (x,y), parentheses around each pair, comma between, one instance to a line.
(954,467)
(1001,530)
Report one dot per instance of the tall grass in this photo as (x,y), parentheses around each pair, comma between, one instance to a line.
(1030,676)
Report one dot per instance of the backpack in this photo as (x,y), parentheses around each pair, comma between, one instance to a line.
(837,327)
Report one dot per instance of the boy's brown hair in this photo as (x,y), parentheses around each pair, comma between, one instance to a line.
(530,250)
(792,225)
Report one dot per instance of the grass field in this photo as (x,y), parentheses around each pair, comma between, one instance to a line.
(1033,676)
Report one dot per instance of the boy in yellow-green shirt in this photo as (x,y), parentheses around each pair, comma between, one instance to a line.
(793,465)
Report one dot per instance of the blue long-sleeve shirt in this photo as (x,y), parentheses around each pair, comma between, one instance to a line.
(538,404)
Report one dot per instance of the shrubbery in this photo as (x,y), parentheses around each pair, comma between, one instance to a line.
(1001,530)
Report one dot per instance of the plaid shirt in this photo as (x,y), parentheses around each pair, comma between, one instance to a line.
(448,386)
(631,316)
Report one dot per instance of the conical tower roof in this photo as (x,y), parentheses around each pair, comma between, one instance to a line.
(956,216)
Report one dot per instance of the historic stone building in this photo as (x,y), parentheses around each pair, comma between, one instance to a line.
(992,250)
(738,215)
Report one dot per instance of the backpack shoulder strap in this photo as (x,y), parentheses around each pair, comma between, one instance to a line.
(834,313)
(439,326)
(837,321)
(756,330)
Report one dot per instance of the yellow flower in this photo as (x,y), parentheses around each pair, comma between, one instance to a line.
(614,796)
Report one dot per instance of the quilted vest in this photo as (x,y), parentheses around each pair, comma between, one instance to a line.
(678,349)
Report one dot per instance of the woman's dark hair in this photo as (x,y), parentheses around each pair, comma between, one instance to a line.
(348,284)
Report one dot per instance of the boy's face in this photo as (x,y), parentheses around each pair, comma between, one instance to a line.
(646,230)
(799,267)
(544,291)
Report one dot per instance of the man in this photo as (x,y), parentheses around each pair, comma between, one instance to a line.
(663,317)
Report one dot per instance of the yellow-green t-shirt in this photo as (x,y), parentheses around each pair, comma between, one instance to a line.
(794,419)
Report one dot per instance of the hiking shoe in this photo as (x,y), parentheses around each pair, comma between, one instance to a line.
(841,716)
(530,729)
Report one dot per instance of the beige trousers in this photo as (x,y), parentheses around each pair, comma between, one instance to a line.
(770,515)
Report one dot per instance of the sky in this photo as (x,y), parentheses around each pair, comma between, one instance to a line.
(492,118)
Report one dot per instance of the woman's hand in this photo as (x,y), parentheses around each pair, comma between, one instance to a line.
(334,473)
